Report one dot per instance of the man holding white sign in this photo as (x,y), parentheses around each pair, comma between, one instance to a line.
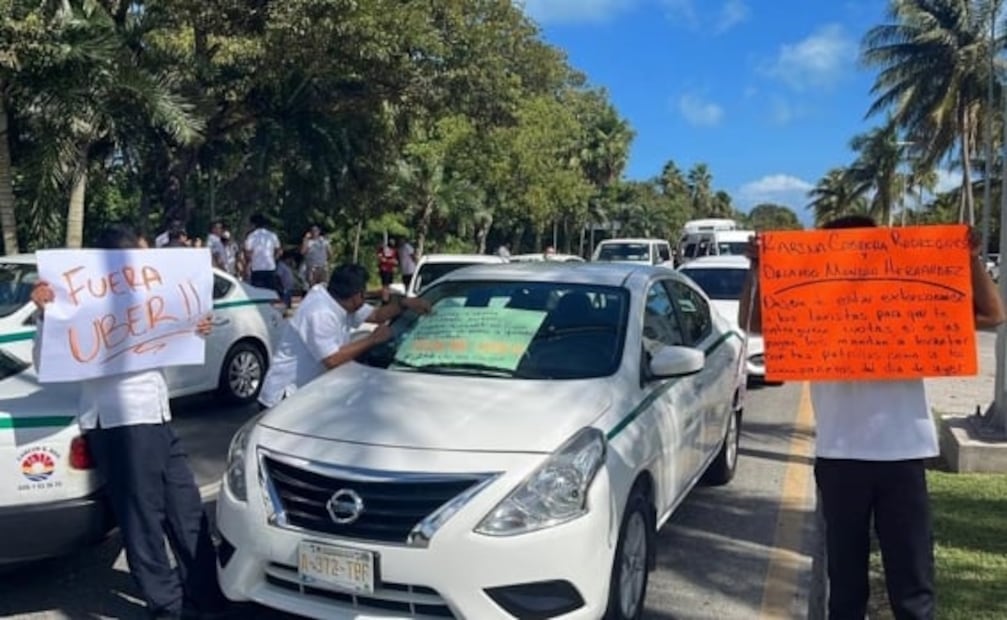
(112,319)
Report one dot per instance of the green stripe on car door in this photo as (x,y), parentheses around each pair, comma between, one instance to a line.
(41,422)
(659,391)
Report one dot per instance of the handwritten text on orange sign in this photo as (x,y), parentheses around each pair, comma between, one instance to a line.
(880,303)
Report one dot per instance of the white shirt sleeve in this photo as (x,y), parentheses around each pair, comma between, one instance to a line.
(361,315)
(276,243)
(322,334)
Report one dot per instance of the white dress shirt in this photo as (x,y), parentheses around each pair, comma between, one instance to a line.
(262,243)
(126,399)
(318,329)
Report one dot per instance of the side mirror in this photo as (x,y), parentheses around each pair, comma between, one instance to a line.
(671,362)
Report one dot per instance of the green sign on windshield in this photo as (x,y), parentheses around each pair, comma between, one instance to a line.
(494,337)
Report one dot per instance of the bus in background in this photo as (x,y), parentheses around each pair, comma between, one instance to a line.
(711,237)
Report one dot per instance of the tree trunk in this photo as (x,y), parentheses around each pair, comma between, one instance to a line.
(423,228)
(75,213)
(538,239)
(966,213)
(8,218)
(483,231)
(356,240)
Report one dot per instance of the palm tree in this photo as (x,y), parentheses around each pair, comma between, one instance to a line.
(835,195)
(877,169)
(700,189)
(933,60)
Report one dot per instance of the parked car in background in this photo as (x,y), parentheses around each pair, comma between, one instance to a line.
(510,455)
(722,278)
(50,499)
(637,251)
(540,257)
(431,267)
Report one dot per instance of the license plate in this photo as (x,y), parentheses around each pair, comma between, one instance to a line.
(342,568)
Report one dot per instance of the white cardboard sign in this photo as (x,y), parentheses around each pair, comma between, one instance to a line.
(119,311)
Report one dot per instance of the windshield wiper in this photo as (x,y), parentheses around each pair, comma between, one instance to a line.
(465,369)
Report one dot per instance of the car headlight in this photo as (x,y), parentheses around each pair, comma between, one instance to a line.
(234,476)
(554,493)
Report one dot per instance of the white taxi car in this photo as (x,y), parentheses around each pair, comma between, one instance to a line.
(722,278)
(432,266)
(511,455)
(50,500)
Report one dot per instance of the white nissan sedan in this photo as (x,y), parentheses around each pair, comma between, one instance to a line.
(510,455)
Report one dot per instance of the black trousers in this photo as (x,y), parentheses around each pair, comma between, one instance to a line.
(894,493)
(153,494)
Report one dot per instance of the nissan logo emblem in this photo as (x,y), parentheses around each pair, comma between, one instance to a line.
(345,506)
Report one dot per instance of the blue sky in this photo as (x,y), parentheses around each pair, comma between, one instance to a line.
(767,92)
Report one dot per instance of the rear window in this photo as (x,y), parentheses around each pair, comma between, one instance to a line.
(429,273)
(725,284)
(16,282)
(10,365)
(624,252)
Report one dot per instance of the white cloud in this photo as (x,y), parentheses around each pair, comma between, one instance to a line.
(683,11)
(698,111)
(571,11)
(732,13)
(782,189)
(818,61)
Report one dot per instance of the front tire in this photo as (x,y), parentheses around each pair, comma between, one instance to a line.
(242,373)
(633,554)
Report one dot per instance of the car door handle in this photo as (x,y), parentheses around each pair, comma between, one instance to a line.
(220,322)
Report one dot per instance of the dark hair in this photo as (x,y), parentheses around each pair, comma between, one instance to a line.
(258,220)
(851,221)
(347,280)
(176,234)
(117,237)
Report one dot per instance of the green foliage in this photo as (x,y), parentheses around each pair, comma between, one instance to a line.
(768,216)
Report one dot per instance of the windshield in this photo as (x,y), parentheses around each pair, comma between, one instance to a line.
(718,283)
(524,330)
(624,252)
(428,273)
(16,282)
(735,248)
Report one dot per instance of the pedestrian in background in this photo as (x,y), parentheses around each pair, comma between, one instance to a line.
(387,263)
(407,260)
(317,251)
(218,253)
(262,249)
(872,441)
(153,494)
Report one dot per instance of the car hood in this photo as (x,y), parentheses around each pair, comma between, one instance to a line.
(366,405)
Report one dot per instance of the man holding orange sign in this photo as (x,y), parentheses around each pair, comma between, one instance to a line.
(864,314)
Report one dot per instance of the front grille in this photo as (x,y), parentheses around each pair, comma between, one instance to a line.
(391,507)
(395,597)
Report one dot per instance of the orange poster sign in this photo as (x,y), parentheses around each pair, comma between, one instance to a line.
(867,303)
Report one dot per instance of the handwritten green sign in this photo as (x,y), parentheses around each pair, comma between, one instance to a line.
(495,337)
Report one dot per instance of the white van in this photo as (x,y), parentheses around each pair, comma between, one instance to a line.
(713,243)
(645,251)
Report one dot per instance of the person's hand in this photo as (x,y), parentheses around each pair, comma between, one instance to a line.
(752,249)
(205,325)
(42,294)
(417,305)
(382,333)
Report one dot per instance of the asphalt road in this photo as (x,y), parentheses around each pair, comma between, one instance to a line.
(740,551)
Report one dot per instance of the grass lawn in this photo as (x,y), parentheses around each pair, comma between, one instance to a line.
(970,531)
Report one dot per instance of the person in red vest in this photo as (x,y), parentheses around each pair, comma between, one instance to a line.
(388,261)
